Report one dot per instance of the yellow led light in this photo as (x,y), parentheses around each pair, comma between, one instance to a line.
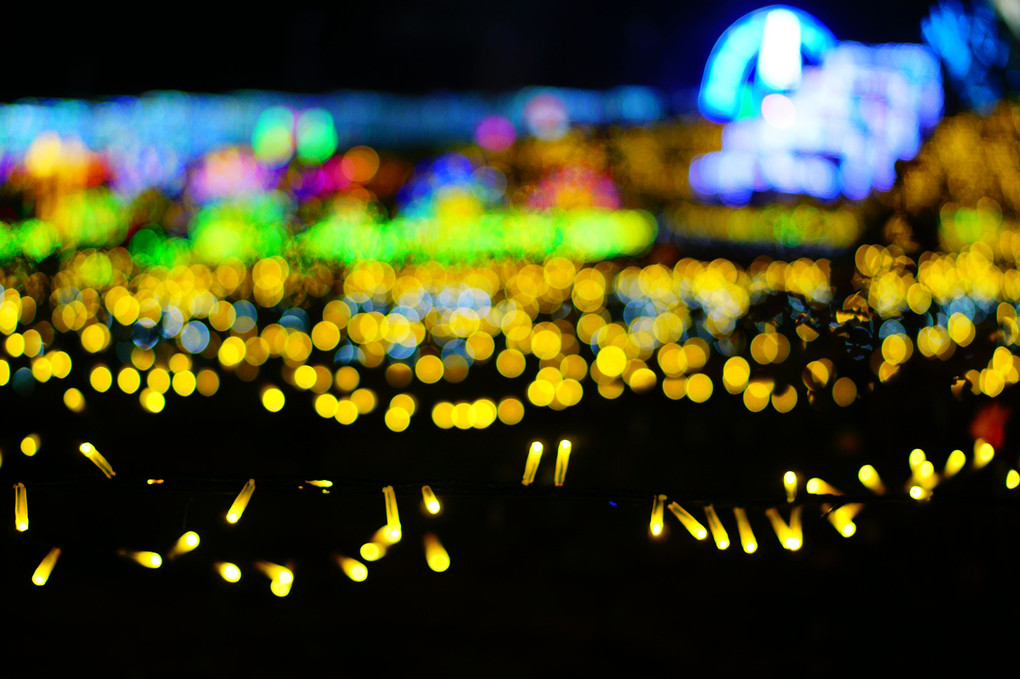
(954,464)
(147,559)
(392,515)
(385,538)
(185,544)
(782,531)
(281,578)
(983,453)
(240,502)
(747,539)
(796,539)
(919,493)
(275,571)
(1012,479)
(915,459)
(373,551)
(842,519)
(816,486)
(89,451)
(228,571)
(719,534)
(531,466)
(869,477)
(20,507)
(45,567)
(352,568)
(692,525)
(435,555)
(655,523)
(320,483)
(431,501)
(790,484)
(562,459)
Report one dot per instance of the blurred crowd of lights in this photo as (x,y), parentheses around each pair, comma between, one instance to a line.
(973,49)
(834,129)
(147,141)
(260,238)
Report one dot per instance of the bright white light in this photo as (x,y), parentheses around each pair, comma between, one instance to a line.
(779,60)
(778,111)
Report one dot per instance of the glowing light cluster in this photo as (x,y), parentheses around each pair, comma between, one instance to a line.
(834,129)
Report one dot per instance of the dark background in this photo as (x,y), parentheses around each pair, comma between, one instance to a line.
(392,46)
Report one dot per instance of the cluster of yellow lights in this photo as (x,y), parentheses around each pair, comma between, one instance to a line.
(535,457)
(790,535)
(494,314)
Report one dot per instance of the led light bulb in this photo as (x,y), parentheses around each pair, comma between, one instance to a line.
(185,544)
(562,459)
(719,534)
(747,539)
(240,502)
(869,477)
(392,515)
(89,451)
(692,525)
(790,485)
(20,507)
(655,523)
(352,568)
(531,465)
(431,501)
(42,572)
(435,554)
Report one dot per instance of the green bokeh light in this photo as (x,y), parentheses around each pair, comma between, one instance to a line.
(273,136)
(316,136)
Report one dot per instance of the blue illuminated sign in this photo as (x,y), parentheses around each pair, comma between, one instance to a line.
(829,128)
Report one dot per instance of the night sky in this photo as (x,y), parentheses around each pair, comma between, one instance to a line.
(396,46)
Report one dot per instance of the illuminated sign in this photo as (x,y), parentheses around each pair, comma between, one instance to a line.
(809,115)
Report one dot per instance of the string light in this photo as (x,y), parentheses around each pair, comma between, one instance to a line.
(281,578)
(692,525)
(747,539)
(790,484)
(871,480)
(320,483)
(240,502)
(719,534)
(185,544)
(352,568)
(816,486)
(788,538)
(796,531)
(954,463)
(655,523)
(45,567)
(842,519)
(20,507)
(435,554)
(89,451)
(147,559)
(983,453)
(531,465)
(562,459)
(228,571)
(372,551)
(393,531)
(431,501)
